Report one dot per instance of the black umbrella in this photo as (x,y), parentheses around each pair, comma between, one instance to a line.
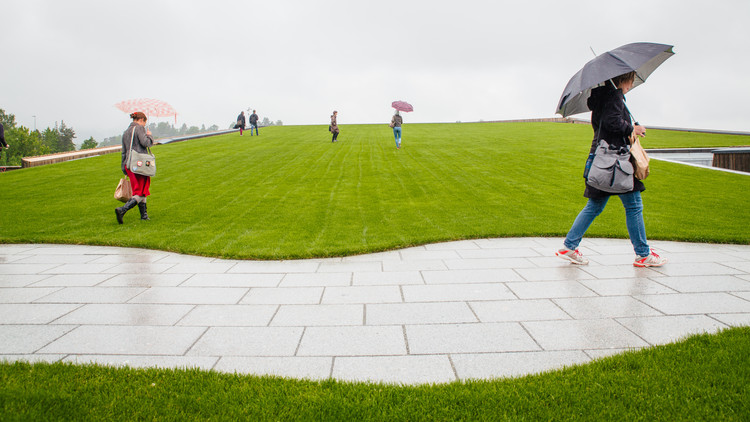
(643,57)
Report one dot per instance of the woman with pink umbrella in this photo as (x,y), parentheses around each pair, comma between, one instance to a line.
(397,120)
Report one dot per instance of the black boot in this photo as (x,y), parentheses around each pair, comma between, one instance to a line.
(142,209)
(119,212)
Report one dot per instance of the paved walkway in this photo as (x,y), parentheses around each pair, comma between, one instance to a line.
(436,313)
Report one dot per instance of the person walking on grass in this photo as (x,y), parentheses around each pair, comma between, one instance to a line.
(254,123)
(334,128)
(611,122)
(396,122)
(3,144)
(141,139)
(241,122)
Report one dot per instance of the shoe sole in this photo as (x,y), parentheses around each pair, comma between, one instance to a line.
(565,257)
(649,265)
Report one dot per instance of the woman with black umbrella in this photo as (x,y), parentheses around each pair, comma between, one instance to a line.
(611,122)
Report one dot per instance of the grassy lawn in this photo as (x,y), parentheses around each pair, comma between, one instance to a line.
(705,377)
(291,193)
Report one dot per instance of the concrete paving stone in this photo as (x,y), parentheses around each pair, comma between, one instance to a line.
(699,257)
(57,259)
(35,358)
(312,368)
(125,340)
(743,266)
(145,361)
(604,307)
(553,274)
(427,255)
(743,276)
(678,247)
(669,329)
(8,280)
(139,268)
(16,339)
(704,283)
(458,245)
(12,249)
(350,267)
(509,243)
(352,341)
(741,254)
(487,263)
(596,354)
(457,292)
(72,280)
(31,313)
(79,269)
(468,338)
(407,370)
(550,261)
(24,294)
(743,295)
(125,314)
(129,259)
(200,268)
(316,279)
(229,315)
(499,275)
(549,289)
(8,259)
(283,296)
(413,265)
(233,280)
(616,248)
(377,256)
(248,341)
(518,310)
(499,253)
(419,313)
(702,268)
(91,295)
(175,258)
(516,364)
(387,278)
(362,294)
(318,315)
(145,280)
(733,320)
(610,260)
(620,271)
(281,267)
(626,287)
(192,295)
(582,334)
(21,269)
(696,303)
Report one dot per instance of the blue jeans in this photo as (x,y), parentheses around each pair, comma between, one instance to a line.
(251,129)
(397,135)
(633,219)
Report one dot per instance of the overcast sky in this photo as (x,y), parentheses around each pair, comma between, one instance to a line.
(297,60)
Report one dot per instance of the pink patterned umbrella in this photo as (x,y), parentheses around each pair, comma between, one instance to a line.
(402,106)
(149,107)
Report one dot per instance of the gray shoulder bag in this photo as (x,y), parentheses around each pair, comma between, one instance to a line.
(139,162)
(611,170)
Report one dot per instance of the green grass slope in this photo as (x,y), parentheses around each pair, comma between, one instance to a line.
(291,193)
(703,378)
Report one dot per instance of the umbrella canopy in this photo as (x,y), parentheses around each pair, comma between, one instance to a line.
(402,106)
(643,58)
(149,107)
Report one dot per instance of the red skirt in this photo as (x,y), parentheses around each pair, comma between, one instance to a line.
(139,183)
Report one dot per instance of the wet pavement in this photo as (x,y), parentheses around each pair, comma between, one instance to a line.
(431,314)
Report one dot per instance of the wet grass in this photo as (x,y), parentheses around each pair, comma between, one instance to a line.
(291,193)
(706,377)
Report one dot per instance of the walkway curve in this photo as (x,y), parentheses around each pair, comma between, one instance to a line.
(430,314)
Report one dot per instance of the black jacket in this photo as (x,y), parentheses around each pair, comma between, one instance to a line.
(3,144)
(611,122)
(254,119)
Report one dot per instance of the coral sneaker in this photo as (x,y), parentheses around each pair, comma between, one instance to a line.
(652,260)
(573,256)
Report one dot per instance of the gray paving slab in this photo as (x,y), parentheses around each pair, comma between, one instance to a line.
(437,313)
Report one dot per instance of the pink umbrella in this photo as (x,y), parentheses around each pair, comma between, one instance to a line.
(149,107)
(402,106)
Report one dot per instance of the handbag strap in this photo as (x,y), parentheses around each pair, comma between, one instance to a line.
(132,134)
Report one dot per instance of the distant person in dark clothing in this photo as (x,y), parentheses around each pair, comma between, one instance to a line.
(241,122)
(3,144)
(334,128)
(254,123)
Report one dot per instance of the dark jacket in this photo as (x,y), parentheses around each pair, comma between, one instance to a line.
(3,144)
(611,122)
(254,119)
(240,121)
(141,141)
